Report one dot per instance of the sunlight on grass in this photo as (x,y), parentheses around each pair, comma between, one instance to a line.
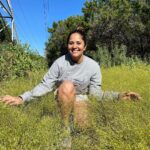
(114,125)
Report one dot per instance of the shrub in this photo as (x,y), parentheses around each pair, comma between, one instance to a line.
(18,61)
(106,58)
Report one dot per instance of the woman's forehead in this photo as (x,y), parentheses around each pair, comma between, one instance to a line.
(75,36)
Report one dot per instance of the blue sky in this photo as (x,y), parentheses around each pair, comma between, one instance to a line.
(32,17)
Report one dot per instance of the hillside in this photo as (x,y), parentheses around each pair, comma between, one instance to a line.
(115,125)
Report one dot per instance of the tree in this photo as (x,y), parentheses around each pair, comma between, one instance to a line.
(118,22)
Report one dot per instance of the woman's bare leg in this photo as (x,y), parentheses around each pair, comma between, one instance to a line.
(81,114)
(66,98)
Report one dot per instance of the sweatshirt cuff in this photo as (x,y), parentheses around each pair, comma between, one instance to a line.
(26,96)
(108,95)
(111,95)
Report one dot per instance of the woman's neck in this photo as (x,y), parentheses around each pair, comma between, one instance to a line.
(79,60)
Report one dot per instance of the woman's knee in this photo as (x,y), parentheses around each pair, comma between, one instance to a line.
(66,88)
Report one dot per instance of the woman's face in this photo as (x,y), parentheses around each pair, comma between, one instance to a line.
(76,46)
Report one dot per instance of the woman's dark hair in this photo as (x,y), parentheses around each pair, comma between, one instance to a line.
(80,31)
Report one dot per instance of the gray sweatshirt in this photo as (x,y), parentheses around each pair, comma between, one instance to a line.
(85,76)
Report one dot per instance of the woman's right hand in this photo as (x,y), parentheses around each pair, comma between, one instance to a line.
(11,100)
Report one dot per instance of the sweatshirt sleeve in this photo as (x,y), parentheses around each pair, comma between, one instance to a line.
(45,86)
(95,87)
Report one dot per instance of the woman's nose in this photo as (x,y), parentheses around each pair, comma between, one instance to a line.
(74,45)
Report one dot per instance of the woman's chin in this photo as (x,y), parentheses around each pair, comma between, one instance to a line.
(75,56)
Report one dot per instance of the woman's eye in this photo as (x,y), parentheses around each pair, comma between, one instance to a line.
(78,43)
(70,43)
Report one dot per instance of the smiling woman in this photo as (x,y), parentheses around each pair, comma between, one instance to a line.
(77,45)
(73,77)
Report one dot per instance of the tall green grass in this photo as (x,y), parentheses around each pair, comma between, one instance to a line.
(114,125)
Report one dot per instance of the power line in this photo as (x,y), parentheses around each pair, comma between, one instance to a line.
(27,23)
(19,27)
(14,26)
(46,9)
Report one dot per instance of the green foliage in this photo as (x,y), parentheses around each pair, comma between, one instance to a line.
(18,61)
(120,23)
(115,125)
(106,59)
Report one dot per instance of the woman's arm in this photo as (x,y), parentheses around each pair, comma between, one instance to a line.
(95,89)
(46,85)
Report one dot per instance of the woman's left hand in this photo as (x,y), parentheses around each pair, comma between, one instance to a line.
(11,100)
(130,96)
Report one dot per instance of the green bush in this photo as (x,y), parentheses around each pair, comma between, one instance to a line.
(108,59)
(18,61)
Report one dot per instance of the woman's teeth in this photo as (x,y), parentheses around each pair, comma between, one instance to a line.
(74,50)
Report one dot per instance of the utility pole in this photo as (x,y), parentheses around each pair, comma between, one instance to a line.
(7,9)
